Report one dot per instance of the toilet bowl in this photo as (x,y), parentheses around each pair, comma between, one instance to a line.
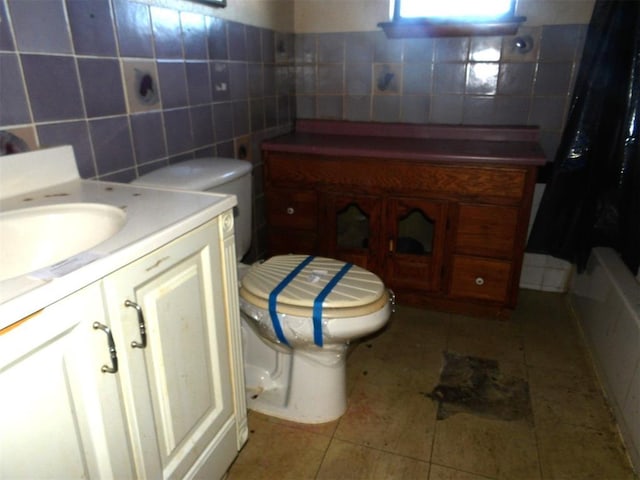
(299,312)
(302,312)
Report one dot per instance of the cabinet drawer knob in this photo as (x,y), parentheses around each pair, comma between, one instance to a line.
(479,281)
(290,211)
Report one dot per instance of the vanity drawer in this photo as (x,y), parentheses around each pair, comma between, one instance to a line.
(480,278)
(292,208)
(284,242)
(486,230)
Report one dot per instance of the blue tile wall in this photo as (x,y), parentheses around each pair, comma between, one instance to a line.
(220,84)
(63,65)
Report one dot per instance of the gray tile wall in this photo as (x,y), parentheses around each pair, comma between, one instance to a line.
(73,71)
(465,80)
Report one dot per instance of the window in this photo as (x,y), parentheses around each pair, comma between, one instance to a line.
(439,18)
(464,10)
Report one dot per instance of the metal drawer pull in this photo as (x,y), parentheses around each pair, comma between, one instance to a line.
(479,281)
(141,326)
(290,211)
(112,349)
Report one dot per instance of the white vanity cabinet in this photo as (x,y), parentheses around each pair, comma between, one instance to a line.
(178,384)
(174,408)
(60,416)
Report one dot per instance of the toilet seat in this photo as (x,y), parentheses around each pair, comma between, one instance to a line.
(358,293)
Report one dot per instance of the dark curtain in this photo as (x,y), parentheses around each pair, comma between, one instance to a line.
(593,195)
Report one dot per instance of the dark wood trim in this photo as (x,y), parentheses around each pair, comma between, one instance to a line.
(509,133)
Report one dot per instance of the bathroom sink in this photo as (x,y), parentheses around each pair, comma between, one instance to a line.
(37,237)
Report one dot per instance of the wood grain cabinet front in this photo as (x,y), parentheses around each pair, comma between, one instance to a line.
(292,216)
(442,221)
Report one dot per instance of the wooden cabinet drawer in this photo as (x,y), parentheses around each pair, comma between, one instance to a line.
(486,230)
(292,208)
(283,242)
(348,173)
(480,278)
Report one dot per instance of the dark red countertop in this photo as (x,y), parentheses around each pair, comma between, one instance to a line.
(508,145)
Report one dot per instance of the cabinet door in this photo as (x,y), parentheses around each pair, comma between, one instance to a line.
(178,388)
(60,415)
(352,230)
(292,216)
(416,242)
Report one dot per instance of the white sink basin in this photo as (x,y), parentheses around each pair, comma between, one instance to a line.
(37,237)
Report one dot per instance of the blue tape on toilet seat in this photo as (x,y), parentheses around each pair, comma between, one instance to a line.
(273,298)
(317,303)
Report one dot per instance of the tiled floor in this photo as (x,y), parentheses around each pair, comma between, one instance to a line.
(390,429)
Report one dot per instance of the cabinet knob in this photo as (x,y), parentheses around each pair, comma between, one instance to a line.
(479,281)
(290,211)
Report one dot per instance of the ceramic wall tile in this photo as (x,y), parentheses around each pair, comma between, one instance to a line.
(133,29)
(167,35)
(74,133)
(101,83)
(148,137)
(6,38)
(92,28)
(198,83)
(237,41)
(13,97)
(194,35)
(40,26)
(53,88)
(111,140)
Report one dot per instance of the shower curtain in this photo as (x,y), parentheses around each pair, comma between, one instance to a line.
(593,195)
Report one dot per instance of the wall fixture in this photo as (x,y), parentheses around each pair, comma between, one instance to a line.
(11,143)
(522,44)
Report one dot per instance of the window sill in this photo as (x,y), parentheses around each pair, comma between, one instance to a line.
(429,28)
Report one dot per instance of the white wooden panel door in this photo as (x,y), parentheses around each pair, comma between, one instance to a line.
(60,415)
(178,390)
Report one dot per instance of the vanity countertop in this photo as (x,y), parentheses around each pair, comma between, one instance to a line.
(440,143)
(154,217)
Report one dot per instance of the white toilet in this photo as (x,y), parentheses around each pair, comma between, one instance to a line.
(299,312)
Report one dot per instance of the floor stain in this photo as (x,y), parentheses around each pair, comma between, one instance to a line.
(477,386)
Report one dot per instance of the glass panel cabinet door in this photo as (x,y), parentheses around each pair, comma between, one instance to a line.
(415,249)
(353,229)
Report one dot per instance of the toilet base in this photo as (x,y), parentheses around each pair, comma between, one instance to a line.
(303,387)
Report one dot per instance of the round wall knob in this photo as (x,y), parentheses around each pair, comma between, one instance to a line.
(290,211)
(479,281)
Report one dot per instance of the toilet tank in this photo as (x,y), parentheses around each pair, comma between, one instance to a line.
(217,175)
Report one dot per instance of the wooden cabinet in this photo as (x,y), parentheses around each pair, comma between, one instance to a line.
(440,216)
(139,375)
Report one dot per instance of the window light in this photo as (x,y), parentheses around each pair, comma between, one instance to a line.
(454,9)
(447,18)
